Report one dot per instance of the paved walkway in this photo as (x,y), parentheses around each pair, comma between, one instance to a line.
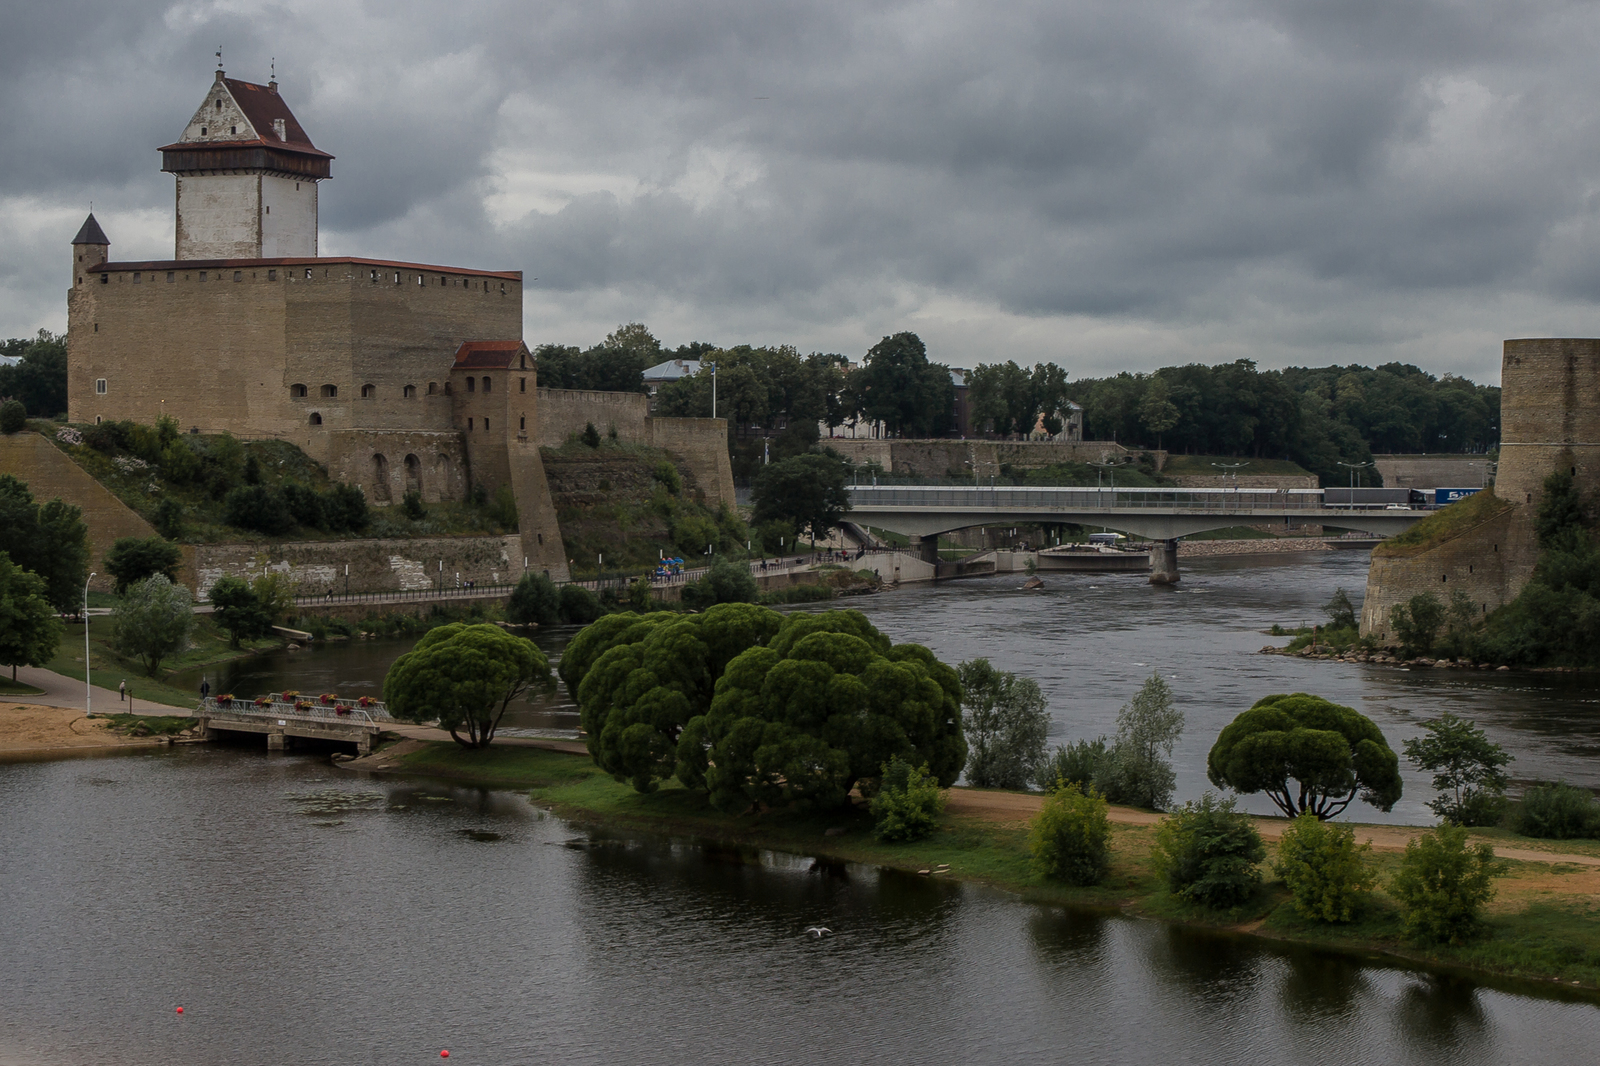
(62,691)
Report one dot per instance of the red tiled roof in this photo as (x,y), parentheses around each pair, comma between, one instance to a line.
(488,355)
(262,106)
(234,264)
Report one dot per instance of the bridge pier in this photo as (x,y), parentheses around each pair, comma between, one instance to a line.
(280,741)
(927,548)
(1164,562)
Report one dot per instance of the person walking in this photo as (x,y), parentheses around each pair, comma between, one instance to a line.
(122,691)
(205,688)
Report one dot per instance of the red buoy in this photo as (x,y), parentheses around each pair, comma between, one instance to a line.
(444,1054)
(180,1010)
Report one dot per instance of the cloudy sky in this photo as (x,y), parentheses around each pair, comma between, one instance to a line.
(1105,185)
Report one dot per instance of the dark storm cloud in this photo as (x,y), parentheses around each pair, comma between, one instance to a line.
(1108,184)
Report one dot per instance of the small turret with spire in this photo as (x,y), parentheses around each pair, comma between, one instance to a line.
(90,248)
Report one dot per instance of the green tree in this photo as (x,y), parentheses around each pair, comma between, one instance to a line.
(168,519)
(39,381)
(1468,770)
(726,582)
(908,802)
(1416,622)
(152,621)
(535,599)
(579,606)
(804,491)
(826,703)
(465,676)
(237,608)
(1075,764)
(1340,611)
(275,591)
(29,628)
(899,387)
(1005,722)
(1307,755)
(132,559)
(257,507)
(1325,869)
(1157,412)
(1443,884)
(13,416)
(1070,838)
(654,674)
(1136,769)
(50,540)
(1209,853)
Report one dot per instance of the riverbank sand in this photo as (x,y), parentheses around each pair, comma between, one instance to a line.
(29,729)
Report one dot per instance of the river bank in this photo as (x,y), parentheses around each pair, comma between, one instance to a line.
(1541,926)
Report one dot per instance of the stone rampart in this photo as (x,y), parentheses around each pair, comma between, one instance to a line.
(955,458)
(700,445)
(563,414)
(389,463)
(375,565)
(50,474)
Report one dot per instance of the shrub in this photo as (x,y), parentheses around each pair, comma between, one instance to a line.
(1443,884)
(259,508)
(503,512)
(694,533)
(345,508)
(1136,770)
(13,416)
(668,476)
(1209,852)
(535,599)
(168,518)
(1070,838)
(1004,719)
(179,464)
(1558,811)
(304,505)
(579,606)
(907,803)
(591,436)
(727,582)
(132,559)
(1416,622)
(411,504)
(1074,764)
(1324,868)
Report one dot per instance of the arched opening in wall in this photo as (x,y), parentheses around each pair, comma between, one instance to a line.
(368,391)
(298,392)
(380,479)
(440,481)
(409,392)
(489,381)
(447,388)
(433,387)
(316,419)
(472,384)
(330,391)
(413,474)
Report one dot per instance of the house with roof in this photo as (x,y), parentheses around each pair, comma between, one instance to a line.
(398,376)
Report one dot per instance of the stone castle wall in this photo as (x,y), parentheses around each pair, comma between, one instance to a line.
(563,414)
(1431,471)
(1550,420)
(375,565)
(389,463)
(700,445)
(945,458)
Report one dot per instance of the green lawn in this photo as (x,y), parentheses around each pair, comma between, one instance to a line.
(1542,932)
(9,687)
(107,669)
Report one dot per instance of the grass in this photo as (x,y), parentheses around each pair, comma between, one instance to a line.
(107,668)
(1533,932)
(148,725)
(1443,524)
(9,687)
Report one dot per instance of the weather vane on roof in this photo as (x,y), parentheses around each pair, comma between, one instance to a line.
(219,57)
(274,68)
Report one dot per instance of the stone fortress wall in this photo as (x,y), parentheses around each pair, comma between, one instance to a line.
(1550,420)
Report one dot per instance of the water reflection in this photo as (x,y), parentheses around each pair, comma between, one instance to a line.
(1442,1014)
(1320,986)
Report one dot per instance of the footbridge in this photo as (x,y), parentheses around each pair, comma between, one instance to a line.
(283,716)
(1162,515)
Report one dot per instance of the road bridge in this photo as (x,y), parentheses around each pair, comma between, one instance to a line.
(1162,515)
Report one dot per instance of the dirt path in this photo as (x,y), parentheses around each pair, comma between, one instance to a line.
(1014,809)
(29,729)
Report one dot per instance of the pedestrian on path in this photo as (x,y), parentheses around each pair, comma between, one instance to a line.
(205,688)
(122,690)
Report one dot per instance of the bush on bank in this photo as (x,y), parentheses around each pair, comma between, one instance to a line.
(1325,869)
(1209,853)
(1070,838)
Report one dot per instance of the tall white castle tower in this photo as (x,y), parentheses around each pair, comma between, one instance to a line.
(247,177)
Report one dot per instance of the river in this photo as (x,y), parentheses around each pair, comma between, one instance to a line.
(300,913)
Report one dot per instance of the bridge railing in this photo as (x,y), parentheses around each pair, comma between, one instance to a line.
(1042,498)
(342,711)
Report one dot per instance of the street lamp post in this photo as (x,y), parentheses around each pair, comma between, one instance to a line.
(1353,467)
(88,687)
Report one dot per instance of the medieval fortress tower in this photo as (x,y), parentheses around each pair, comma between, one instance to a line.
(1549,422)
(396,376)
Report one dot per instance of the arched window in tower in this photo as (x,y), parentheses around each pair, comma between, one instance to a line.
(368,391)
(316,419)
(380,479)
(486,383)
(297,391)
(441,476)
(409,392)
(329,392)
(413,474)
(472,384)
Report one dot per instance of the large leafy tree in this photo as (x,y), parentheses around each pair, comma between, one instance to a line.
(29,627)
(465,676)
(40,379)
(827,703)
(803,491)
(1005,722)
(51,540)
(899,387)
(132,559)
(639,694)
(152,621)
(1308,755)
(238,609)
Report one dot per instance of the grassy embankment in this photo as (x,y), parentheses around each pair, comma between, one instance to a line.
(9,687)
(106,668)
(1543,925)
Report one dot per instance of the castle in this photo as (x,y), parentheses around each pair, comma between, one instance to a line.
(1550,421)
(397,376)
